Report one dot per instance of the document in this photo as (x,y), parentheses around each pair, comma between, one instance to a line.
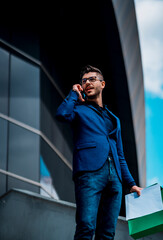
(148,202)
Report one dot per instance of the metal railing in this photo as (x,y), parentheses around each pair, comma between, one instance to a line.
(26,180)
(38,132)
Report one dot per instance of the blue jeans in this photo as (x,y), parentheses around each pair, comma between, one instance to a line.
(98,200)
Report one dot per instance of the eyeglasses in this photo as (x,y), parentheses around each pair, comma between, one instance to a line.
(91,79)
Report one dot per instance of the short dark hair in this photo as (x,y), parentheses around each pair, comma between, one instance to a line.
(89,68)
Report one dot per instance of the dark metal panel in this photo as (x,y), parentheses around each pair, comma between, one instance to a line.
(24,92)
(129,36)
(61,175)
(3,153)
(4,81)
(59,134)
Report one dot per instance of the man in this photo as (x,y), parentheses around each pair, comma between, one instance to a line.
(99,166)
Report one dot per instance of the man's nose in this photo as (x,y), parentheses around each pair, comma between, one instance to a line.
(87,81)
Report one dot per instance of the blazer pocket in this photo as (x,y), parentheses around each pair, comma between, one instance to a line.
(86,145)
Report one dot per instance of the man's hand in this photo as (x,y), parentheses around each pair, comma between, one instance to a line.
(78,88)
(136,189)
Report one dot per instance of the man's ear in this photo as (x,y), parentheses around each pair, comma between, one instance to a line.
(103,84)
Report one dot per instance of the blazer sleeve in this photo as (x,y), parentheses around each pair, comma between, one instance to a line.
(126,175)
(65,111)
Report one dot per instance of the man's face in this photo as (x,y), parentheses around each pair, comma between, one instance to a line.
(92,88)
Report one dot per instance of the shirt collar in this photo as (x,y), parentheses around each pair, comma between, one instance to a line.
(96,105)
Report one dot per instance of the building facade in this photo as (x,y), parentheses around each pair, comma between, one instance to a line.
(39,63)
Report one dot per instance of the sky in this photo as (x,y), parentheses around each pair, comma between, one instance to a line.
(149,14)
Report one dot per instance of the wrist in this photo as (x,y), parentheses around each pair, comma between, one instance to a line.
(131,184)
(74,90)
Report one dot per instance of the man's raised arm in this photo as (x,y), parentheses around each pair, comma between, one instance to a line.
(65,111)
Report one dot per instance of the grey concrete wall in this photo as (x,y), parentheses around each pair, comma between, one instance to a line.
(29,216)
(26,215)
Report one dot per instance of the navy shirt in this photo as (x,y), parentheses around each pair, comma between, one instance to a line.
(107,119)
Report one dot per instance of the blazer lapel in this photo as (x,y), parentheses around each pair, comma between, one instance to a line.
(115,121)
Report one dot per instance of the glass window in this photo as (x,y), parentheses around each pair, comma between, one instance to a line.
(23,157)
(57,174)
(24,92)
(4,75)
(3,154)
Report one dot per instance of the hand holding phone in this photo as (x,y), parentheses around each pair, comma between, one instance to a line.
(78,88)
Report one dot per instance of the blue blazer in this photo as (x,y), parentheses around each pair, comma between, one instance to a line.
(91,142)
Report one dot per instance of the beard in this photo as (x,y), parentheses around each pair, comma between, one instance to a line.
(93,96)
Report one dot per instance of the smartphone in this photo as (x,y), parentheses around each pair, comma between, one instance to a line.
(83,95)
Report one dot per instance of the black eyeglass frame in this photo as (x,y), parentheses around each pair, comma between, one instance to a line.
(91,79)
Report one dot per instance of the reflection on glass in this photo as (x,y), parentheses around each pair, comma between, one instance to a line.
(25,92)
(46,180)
